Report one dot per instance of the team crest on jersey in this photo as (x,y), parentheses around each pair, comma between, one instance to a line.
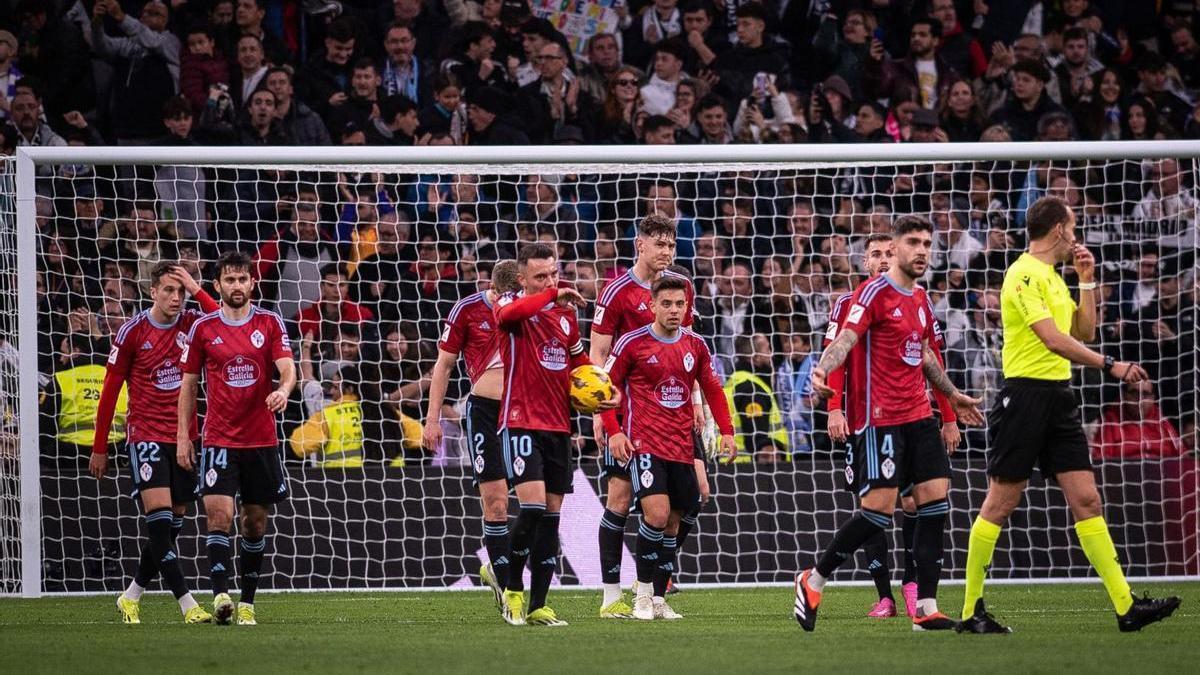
(240,372)
(210,478)
(479,464)
(688,361)
(888,468)
(913,351)
(921,315)
(647,478)
(146,471)
(180,339)
(257,339)
(850,475)
(519,466)
(552,354)
(564,325)
(672,393)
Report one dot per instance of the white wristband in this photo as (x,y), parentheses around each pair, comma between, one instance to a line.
(1087,285)
(696,399)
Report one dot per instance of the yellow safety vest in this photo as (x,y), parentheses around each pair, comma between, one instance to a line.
(778,432)
(334,431)
(344,447)
(79,400)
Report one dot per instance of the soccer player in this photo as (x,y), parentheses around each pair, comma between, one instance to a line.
(236,348)
(625,306)
(1036,417)
(656,367)
(540,346)
(896,436)
(145,354)
(876,260)
(471,331)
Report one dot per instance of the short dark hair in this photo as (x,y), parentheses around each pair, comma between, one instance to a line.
(710,101)
(656,225)
(1043,215)
(251,36)
(396,104)
(751,10)
(160,270)
(656,122)
(443,81)
(698,6)
(286,70)
(334,268)
(233,261)
(341,30)
(472,33)
(364,63)
(879,236)
(1074,33)
(534,251)
(201,28)
(668,282)
(141,205)
(673,46)
(935,25)
(404,25)
(176,107)
(1032,67)
(911,223)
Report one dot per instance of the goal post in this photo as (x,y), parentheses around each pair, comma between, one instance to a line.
(418,526)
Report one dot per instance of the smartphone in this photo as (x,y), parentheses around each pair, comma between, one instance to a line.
(760,84)
(878,34)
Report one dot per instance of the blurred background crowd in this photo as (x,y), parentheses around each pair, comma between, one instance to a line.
(365,266)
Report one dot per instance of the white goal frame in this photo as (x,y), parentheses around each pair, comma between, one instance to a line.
(469,159)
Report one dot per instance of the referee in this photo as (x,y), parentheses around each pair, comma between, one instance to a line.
(1036,417)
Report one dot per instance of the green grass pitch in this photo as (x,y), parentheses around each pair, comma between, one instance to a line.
(1059,629)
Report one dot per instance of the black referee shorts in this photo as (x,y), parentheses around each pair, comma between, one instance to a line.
(1036,422)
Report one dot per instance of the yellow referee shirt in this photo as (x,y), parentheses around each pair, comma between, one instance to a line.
(1033,291)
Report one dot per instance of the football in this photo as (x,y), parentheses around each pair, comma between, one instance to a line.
(590,387)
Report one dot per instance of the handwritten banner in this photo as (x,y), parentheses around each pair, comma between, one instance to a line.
(579,20)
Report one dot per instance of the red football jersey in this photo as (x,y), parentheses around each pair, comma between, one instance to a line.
(624,305)
(887,383)
(537,355)
(238,360)
(656,377)
(836,379)
(471,331)
(147,356)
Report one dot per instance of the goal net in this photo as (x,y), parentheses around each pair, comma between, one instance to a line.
(365,255)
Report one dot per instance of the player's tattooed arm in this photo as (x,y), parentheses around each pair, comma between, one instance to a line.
(835,354)
(936,374)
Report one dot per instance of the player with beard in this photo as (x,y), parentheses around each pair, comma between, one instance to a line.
(896,435)
(877,259)
(236,349)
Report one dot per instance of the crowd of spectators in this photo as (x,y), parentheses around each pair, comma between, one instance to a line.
(364,267)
